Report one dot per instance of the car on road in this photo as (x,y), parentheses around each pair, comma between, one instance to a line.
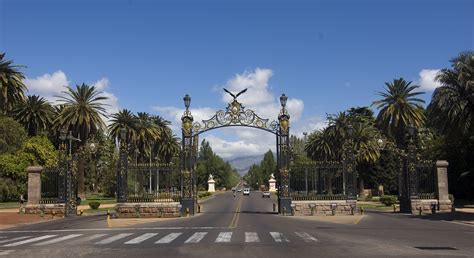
(265,194)
(247,191)
(239,190)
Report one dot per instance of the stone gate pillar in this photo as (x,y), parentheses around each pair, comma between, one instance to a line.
(34,184)
(444,203)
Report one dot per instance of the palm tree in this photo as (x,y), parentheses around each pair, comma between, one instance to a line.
(319,146)
(169,146)
(147,134)
(82,114)
(452,104)
(399,108)
(12,88)
(123,119)
(35,113)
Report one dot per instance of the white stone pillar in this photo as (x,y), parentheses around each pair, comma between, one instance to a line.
(272,183)
(442,185)
(211,184)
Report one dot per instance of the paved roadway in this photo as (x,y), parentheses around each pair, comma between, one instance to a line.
(244,226)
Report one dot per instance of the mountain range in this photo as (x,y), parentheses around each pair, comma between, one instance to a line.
(243,164)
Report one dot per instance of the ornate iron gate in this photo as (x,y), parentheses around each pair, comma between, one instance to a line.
(234,115)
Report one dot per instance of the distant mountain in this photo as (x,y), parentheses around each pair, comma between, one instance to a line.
(243,164)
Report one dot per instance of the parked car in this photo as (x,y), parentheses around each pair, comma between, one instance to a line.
(265,194)
(247,191)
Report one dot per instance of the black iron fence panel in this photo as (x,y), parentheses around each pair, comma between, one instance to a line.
(52,189)
(317,181)
(426,177)
(153,183)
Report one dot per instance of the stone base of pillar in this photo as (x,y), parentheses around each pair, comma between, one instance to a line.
(325,208)
(426,206)
(187,206)
(285,206)
(58,209)
(148,210)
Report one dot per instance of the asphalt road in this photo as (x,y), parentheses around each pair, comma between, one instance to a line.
(244,226)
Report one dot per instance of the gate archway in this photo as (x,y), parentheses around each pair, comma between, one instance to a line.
(235,114)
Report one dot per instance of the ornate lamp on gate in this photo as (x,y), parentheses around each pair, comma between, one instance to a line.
(187,201)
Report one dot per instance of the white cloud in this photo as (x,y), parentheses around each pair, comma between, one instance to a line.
(309,125)
(47,85)
(258,97)
(52,85)
(427,79)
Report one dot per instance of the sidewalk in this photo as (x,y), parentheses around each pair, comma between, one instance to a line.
(14,219)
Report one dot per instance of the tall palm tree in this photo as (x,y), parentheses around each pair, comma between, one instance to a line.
(12,88)
(399,108)
(35,113)
(82,114)
(319,146)
(123,119)
(168,146)
(452,104)
(147,133)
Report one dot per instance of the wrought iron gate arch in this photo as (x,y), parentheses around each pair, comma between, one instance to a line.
(235,115)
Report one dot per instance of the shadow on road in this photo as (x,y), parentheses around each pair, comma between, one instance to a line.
(456,216)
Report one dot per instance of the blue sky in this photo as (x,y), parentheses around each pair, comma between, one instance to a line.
(325,55)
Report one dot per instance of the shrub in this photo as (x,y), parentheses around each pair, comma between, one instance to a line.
(389,200)
(94,205)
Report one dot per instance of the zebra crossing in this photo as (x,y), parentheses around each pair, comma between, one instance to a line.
(157,238)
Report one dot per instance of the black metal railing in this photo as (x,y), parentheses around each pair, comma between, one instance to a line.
(425,175)
(317,181)
(153,183)
(51,186)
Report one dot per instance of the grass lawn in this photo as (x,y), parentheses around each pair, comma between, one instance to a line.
(98,198)
(9,205)
(98,211)
(376,206)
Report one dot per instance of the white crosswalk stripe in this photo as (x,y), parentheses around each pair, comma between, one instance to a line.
(6,252)
(224,237)
(89,238)
(141,238)
(251,237)
(196,237)
(168,238)
(31,240)
(113,239)
(279,237)
(57,240)
(306,237)
(13,239)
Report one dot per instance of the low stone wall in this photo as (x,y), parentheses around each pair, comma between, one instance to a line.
(323,208)
(148,210)
(57,209)
(426,206)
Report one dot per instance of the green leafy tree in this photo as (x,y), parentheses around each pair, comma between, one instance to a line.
(399,108)
(34,113)
(452,104)
(12,135)
(12,88)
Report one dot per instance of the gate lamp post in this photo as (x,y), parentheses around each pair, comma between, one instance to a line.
(283,100)
(187,101)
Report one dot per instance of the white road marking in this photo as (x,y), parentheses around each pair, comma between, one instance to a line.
(13,239)
(141,238)
(109,229)
(113,239)
(56,240)
(251,237)
(5,252)
(279,237)
(224,237)
(31,240)
(196,237)
(306,237)
(89,238)
(168,238)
